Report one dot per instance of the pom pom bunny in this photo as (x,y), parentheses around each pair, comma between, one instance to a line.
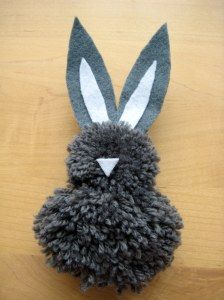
(111,225)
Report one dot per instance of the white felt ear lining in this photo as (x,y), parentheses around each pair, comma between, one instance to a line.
(95,103)
(138,101)
(91,93)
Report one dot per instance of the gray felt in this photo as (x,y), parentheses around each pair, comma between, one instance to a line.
(157,49)
(82,46)
(116,230)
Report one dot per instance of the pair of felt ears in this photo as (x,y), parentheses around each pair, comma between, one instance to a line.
(90,88)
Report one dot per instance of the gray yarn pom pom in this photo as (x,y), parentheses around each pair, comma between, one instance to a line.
(109,230)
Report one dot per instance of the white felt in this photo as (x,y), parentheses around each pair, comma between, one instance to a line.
(107,164)
(138,101)
(91,93)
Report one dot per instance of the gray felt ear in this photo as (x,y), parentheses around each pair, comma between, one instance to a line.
(88,80)
(145,88)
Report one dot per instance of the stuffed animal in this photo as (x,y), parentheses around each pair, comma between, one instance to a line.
(110,225)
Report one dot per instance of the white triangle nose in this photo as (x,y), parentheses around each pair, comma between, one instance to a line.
(107,164)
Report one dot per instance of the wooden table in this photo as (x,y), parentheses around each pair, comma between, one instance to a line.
(37,123)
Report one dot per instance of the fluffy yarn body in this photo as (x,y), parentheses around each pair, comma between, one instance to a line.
(109,230)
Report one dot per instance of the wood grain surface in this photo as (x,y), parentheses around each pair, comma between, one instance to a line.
(37,123)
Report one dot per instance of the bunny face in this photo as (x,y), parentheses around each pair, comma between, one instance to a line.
(134,156)
(108,152)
